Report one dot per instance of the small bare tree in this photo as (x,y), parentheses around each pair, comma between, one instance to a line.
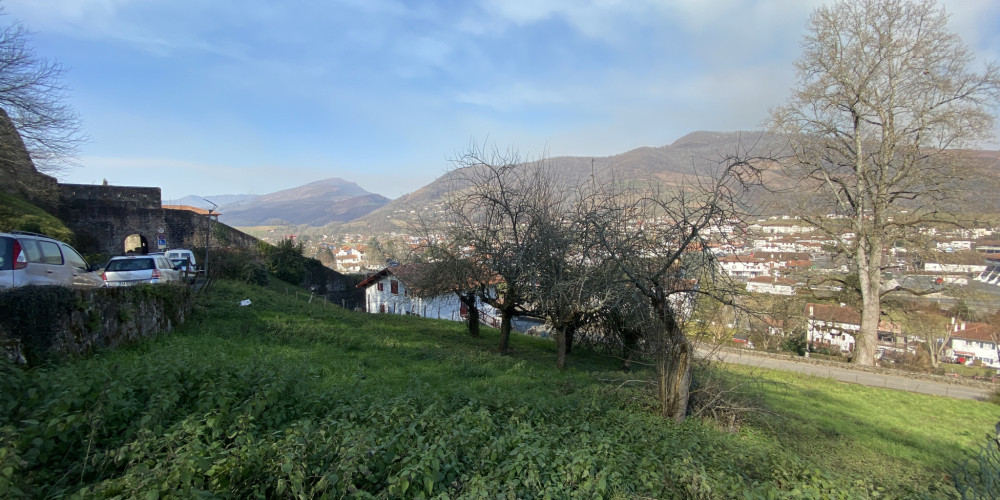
(884,100)
(495,215)
(659,239)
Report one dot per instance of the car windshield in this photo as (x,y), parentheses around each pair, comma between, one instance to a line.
(130,265)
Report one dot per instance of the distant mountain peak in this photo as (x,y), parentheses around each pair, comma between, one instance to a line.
(317,203)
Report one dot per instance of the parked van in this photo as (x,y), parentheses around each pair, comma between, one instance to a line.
(184,259)
(36,259)
(179,253)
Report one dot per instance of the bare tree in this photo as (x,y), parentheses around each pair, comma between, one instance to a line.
(883,101)
(33,95)
(573,285)
(494,214)
(659,240)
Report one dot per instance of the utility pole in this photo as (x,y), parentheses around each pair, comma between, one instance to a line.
(208,231)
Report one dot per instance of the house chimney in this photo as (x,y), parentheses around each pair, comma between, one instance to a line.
(811,312)
(963,326)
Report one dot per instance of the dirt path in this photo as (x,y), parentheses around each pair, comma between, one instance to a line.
(888,381)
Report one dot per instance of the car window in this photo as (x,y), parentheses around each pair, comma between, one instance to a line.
(164,263)
(30,249)
(6,254)
(51,253)
(130,265)
(75,259)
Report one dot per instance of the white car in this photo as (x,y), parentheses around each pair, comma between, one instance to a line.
(131,270)
(36,259)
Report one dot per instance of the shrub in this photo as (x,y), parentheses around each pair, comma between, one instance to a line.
(795,343)
(229,263)
(255,273)
(286,262)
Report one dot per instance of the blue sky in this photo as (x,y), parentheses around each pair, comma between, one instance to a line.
(254,96)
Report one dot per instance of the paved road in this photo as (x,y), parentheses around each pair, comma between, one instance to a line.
(851,376)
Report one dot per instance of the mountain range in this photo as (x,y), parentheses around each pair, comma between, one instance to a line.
(343,203)
(318,203)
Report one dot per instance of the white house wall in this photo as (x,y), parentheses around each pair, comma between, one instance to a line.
(447,306)
(833,334)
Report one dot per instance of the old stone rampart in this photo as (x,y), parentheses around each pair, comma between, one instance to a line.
(104,216)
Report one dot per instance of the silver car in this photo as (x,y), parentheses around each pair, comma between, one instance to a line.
(131,270)
(36,259)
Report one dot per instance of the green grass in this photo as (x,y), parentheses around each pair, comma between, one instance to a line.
(289,399)
(904,439)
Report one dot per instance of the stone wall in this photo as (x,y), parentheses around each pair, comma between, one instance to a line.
(103,216)
(54,322)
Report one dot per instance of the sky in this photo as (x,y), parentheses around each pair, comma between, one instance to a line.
(208,97)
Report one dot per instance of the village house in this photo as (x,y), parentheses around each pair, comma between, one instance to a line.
(773,285)
(959,262)
(350,259)
(971,342)
(832,326)
(388,292)
(759,264)
(810,246)
(744,266)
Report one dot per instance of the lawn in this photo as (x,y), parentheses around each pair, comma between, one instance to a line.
(289,399)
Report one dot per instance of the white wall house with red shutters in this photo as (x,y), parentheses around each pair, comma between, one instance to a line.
(971,342)
(385,293)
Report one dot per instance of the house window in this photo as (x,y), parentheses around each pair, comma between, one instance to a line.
(394,287)
(380,288)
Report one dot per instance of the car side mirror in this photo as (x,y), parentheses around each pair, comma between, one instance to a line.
(178,267)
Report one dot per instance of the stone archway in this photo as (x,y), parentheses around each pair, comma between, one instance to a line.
(136,244)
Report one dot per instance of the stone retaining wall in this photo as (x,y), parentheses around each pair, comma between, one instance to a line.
(52,322)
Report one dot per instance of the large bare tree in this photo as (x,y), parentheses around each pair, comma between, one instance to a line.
(884,102)
(33,95)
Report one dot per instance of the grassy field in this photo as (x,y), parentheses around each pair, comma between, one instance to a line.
(289,399)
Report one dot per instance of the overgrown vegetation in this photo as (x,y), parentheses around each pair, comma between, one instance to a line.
(18,214)
(287,399)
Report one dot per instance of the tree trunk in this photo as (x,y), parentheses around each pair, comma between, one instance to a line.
(473,320)
(629,343)
(675,379)
(868,260)
(505,324)
(674,356)
(561,348)
(570,333)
